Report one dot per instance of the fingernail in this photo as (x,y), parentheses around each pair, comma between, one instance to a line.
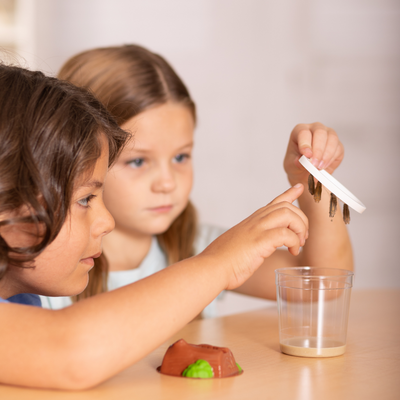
(321,164)
(298,185)
(315,162)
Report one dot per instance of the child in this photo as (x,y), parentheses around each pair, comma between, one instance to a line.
(146,96)
(56,142)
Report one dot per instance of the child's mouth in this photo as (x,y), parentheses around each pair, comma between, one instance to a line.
(161,209)
(90,260)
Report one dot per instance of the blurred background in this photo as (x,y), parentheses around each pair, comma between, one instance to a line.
(256,68)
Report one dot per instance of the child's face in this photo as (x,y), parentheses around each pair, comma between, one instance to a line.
(150,183)
(62,268)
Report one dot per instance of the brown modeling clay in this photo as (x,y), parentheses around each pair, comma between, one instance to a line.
(199,361)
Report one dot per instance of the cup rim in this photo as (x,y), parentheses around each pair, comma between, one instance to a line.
(343,272)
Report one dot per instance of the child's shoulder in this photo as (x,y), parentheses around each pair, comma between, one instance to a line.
(205,235)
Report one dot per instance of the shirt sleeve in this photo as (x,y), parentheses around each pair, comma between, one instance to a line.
(28,299)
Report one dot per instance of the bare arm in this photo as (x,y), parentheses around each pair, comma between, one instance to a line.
(82,345)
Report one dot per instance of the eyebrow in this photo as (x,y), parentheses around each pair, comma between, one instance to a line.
(148,150)
(96,184)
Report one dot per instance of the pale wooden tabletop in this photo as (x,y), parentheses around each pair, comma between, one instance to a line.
(370,368)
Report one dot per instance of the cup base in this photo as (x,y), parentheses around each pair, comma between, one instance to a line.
(312,347)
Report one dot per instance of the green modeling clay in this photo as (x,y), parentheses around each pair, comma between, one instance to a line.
(200,369)
(239,367)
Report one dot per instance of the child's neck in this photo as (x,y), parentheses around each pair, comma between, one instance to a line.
(8,287)
(125,251)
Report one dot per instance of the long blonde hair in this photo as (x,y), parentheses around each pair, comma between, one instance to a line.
(129,80)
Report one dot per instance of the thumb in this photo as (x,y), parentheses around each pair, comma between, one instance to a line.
(290,195)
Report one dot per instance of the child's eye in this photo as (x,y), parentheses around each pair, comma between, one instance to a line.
(181,157)
(85,202)
(136,162)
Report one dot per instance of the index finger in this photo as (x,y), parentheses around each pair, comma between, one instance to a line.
(290,195)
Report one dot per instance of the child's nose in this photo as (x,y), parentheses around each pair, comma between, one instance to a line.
(164,181)
(105,222)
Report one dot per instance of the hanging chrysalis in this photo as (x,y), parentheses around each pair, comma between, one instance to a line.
(323,178)
(332,205)
(346,214)
(318,192)
(311,185)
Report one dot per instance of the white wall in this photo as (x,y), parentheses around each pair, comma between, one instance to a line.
(256,68)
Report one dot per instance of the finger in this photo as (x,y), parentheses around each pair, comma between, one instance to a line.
(285,205)
(330,149)
(319,140)
(286,218)
(290,195)
(279,237)
(336,159)
(304,142)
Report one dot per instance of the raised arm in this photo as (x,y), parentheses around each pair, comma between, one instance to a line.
(328,244)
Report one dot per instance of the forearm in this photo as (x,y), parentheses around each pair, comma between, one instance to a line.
(328,244)
(82,345)
(183,290)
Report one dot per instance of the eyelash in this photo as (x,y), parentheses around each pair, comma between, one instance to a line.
(183,157)
(86,200)
(136,162)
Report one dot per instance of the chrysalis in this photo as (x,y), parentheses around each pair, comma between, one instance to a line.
(332,205)
(311,185)
(318,192)
(346,214)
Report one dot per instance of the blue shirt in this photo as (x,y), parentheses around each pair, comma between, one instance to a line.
(24,298)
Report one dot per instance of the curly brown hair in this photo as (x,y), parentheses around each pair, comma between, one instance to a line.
(50,139)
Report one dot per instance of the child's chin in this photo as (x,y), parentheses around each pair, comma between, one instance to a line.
(160,230)
(79,288)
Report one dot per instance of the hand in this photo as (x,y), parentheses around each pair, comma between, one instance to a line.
(317,142)
(243,248)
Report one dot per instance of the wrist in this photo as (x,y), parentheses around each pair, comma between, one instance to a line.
(216,268)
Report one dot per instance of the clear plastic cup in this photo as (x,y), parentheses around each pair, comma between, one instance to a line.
(313,305)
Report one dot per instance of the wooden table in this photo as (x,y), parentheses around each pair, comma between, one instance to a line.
(370,368)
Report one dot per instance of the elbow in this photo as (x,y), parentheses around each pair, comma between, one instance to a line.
(78,380)
(82,372)
(81,367)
